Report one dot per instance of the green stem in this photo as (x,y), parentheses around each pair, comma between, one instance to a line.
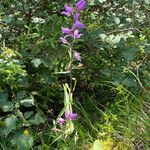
(70,67)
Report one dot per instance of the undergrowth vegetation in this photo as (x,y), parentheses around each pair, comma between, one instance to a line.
(106,91)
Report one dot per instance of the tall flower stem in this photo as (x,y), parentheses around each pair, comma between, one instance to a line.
(70,66)
(72,33)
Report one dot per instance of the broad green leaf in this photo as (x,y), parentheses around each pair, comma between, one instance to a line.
(128,55)
(36,62)
(3,96)
(37,119)
(10,124)
(7,106)
(21,94)
(46,62)
(28,114)
(47,76)
(27,102)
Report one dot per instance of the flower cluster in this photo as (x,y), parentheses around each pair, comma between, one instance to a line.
(70,116)
(74,31)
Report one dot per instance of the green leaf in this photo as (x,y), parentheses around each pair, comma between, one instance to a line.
(117,20)
(10,124)
(46,62)
(27,102)
(36,62)
(69,128)
(37,119)
(102,36)
(7,106)
(92,2)
(21,94)
(101,1)
(28,114)
(97,145)
(128,55)
(47,76)
(3,96)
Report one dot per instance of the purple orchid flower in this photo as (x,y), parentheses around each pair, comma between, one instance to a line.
(60,121)
(77,56)
(68,10)
(78,25)
(66,30)
(81,5)
(76,34)
(72,116)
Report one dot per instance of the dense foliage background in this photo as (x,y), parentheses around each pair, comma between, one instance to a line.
(112,92)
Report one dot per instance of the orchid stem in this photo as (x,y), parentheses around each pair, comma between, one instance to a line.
(70,66)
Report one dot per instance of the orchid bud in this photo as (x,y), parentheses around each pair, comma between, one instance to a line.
(81,5)
(77,56)
(63,40)
(60,121)
(76,17)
